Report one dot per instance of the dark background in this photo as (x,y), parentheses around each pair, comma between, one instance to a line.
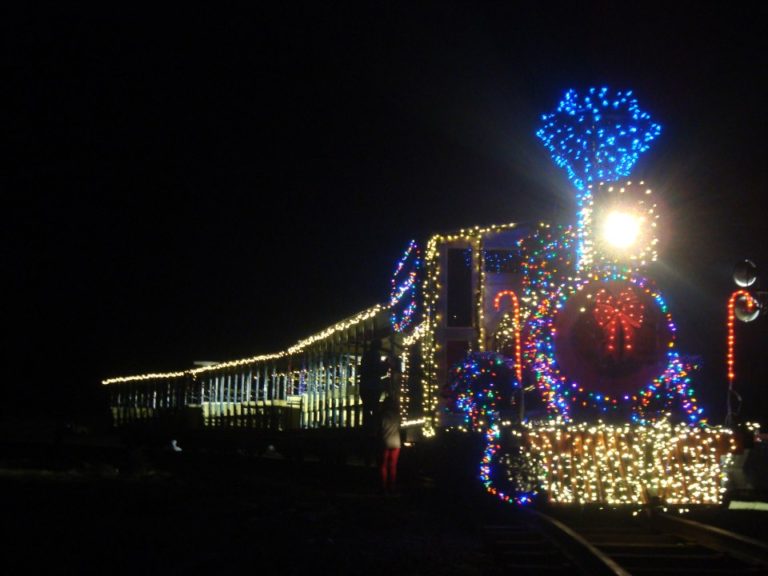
(212,183)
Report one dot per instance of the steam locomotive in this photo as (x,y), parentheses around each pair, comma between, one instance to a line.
(550,341)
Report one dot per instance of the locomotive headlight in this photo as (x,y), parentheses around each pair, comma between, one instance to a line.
(621,230)
(623,226)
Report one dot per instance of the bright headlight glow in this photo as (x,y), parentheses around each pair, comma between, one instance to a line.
(621,229)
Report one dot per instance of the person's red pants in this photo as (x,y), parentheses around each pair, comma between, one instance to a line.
(389,468)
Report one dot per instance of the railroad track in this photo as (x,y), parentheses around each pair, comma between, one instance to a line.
(598,542)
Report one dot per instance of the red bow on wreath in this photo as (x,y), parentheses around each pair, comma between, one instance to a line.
(624,312)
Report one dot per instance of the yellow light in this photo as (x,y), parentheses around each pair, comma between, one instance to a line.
(425,335)
(297,348)
(621,229)
(627,464)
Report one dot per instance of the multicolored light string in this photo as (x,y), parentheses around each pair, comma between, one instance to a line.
(432,291)
(628,464)
(405,282)
(559,393)
(479,384)
(670,393)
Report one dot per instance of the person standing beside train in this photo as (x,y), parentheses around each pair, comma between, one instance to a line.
(389,429)
(372,369)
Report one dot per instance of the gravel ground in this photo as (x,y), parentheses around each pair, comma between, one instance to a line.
(195,514)
(112,511)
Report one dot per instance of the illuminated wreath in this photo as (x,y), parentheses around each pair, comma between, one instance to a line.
(611,330)
(403,299)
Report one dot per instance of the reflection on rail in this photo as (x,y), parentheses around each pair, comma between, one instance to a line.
(615,542)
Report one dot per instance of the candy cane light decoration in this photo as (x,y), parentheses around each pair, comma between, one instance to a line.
(751,305)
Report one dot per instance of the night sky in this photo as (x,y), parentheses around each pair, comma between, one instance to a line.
(213,183)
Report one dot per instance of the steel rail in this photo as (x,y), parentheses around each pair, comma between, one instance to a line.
(589,558)
(654,543)
(748,550)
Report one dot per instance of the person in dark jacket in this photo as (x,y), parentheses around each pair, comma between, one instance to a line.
(372,369)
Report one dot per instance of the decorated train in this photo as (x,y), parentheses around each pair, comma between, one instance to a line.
(550,342)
